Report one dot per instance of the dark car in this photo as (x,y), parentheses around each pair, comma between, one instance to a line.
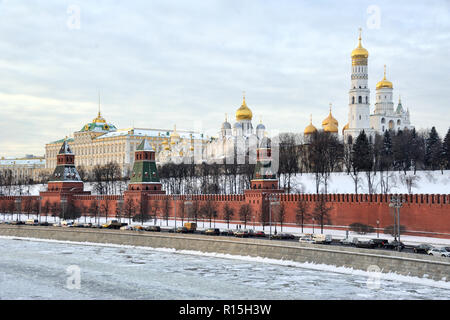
(259,234)
(394,245)
(17,222)
(153,228)
(44,223)
(370,244)
(422,248)
(283,236)
(242,234)
(182,230)
(379,243)
(212,232)
(228,232)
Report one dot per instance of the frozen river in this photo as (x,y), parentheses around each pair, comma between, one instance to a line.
(48,270)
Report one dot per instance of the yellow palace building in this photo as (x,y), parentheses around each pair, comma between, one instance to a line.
(100,142)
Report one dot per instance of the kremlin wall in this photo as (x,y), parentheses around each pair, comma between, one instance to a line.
(421,214)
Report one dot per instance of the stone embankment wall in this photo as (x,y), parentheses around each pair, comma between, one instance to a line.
(436,268)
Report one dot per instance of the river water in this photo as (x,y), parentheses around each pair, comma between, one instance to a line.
(31,269)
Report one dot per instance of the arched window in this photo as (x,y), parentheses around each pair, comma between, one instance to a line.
(383,120)
(353,100)
(367,99)
(359,99)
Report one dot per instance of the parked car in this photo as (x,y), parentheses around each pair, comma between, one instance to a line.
(283,236)
(138,227)
(346,242)
(306,239)
(369,244)
(32,222)
(228,232)
(44,223)
(440,252)
(17,222)
(242,233)
(182,230)
(380,242)
(212,232)
(394,244)
(447,249)
(153,228)
(191,226)
(113,224)
(259,234)
(126,228)
(422,248)
(322,238)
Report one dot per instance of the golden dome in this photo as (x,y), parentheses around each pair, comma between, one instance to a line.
(331,127)
(99,119)
(384,83)
(244,113)
(330,119)
(310,129)
(345,128)
(359,51)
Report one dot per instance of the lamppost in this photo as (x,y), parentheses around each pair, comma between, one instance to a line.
(63,207)
(120,208)
(378,228)
(313,224)
(175,198)
(272,197)
(18,202)
(39,210)
(397,203)
(188,201)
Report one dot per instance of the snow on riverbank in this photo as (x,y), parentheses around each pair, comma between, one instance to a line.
(426,182)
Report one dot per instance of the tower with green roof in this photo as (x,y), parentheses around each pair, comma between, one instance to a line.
(144,176)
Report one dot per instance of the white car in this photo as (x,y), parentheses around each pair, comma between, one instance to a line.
(306,240)
(439,252)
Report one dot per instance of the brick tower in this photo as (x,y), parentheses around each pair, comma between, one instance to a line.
(65,180)
(264,177)
(144,176)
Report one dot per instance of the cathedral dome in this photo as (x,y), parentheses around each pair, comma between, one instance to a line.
(175,134)
(384,83)
(330,120)
(99,124)
(310,129)
(244,113)
(360,52)
(345,128)
(331,127)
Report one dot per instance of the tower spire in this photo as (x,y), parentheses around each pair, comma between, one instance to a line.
(359,38)
(99,103)
(384,72)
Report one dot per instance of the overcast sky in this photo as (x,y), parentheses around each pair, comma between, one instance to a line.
(160,63)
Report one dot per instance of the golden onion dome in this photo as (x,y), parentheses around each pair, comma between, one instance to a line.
(345,128)
(310,129)
(330,119)
(331,127)
(164,142)
(384,83)
(244,113)
(359,51)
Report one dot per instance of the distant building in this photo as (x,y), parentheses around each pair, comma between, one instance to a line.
(28,167)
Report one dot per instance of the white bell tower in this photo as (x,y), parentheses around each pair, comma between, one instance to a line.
(359,96)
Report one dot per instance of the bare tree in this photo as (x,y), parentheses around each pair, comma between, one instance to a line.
(321,211)
(302,213)
(245,212)
(228,213)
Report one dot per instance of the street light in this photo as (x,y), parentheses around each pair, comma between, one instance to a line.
(175,198)
(397,203)
(188,201)
(313,224)
(18,202)
(272,197)
(63,207)
(378,228)
(120,205)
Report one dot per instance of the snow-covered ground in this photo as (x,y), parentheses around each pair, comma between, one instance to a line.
(425,182)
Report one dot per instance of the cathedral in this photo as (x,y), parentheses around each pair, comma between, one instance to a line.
(234,139)
(384,116)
